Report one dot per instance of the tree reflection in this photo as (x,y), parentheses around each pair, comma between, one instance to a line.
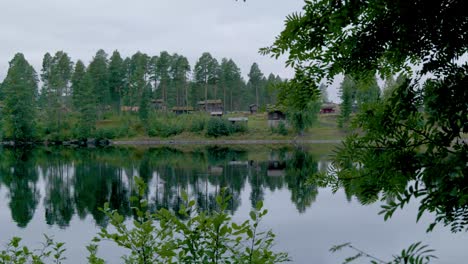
(18,172)
(300,168)
(80,181)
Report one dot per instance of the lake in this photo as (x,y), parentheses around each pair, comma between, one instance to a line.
(58,192)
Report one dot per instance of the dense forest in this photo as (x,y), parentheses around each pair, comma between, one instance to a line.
(68,93)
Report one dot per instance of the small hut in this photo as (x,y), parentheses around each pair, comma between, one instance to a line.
(211,105)
(178,110)
(159,104)
(276,115)
(253,108)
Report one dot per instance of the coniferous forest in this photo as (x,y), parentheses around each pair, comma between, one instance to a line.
(65,98)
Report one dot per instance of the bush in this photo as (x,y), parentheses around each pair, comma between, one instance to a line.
(164,127)
(197,125)
(106,133)
(282,129)
(238,128)
(202,237)
(218,127)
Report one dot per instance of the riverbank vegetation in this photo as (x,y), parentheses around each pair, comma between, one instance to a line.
(72,98)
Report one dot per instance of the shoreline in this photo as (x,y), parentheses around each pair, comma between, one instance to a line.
(222,142)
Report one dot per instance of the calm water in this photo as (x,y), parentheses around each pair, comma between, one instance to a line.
(58,192)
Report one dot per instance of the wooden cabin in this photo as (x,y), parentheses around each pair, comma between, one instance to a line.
(178,110)
(253,108)
(159,104)
(211,106)
(275,117)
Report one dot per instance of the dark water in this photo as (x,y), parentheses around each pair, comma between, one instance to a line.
(59,191)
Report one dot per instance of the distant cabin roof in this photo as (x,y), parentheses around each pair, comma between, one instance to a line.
(216,101)
(276,108)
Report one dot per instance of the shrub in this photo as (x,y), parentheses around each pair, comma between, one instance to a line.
(218,127)
(202,237)
(238,128)
(106,133)
(281,129)
(197,125)
(164,128)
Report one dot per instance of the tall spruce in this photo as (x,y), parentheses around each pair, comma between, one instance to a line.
(77,84)
(87,108)
(256,80)
(20,90)
(347,95)
(163,67)
(116,80)
(99,74)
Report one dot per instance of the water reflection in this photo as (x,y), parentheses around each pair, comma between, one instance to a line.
(78,182)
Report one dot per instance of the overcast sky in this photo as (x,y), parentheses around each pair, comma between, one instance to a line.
(225,28)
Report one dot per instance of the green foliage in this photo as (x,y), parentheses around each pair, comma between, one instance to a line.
(205,237)
(56,76)
(15,253)
(413,138)
(415,254)
(87,107)
(198,124)
(281,129)
(256,81)
(166,126)
(218,127)
(144,110)
(305,118)
(116,80)
(98,73)
(19,111)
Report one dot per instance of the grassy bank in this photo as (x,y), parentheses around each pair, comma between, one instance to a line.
(196,126)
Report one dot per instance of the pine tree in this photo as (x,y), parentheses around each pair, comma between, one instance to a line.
(347,95)
(20,90)
(231,82)
(99,74)
(256,80)
(163,67)
(180,69)
(77,83)
(206,73)
(56,77)
(116,80)
(138,77)
(84,93)
(144,109)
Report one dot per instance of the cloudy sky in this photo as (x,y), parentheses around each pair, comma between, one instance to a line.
(225,28)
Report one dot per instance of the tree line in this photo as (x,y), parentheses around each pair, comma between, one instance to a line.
(108,84)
